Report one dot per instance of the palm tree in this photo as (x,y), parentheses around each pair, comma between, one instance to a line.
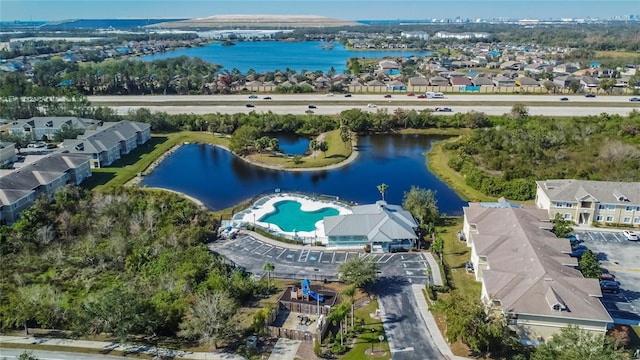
(382,188)
(351,293)
(269,267)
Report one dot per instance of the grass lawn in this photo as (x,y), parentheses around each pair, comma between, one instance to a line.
(616,54)
(338,152)
(437,161)
(367,337)
(130,165)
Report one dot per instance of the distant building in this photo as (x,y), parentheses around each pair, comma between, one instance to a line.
(7,153)
(461,36)
(422,35)
(44,128)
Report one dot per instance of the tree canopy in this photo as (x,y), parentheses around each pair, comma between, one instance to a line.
(358,271)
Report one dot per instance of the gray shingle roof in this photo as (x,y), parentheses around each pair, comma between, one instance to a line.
(378,222)
(606,192)
(525,260)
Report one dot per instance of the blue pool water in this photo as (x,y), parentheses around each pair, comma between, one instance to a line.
(289,216)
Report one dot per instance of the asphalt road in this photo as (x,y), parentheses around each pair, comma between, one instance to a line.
(336,109)
(55,355)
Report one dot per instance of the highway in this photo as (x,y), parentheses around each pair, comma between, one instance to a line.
(336,109)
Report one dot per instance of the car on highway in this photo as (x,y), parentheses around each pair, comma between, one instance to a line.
(387,96)
(634,99)
(371,105)
(609,286)
(590,95)
(329,95)
(311,106)
(443,109)
(267,98)
(250,105)
(253,96)
(347,95)
(411,94)
(422,96)
(564,99)
(630,235)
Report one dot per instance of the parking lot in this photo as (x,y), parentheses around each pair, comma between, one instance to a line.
(315,264)
(622,258)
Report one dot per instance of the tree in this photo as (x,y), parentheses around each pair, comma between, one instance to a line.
(438,246)
(345,135)
(573,343)
(324,147)
(208,318)
(574,86)
(358,271)
(243,139)
(382,188)
(422,204)
(66,132)
(561,227)
(268,268)
(313,145)
(350,292)
(519,111)
(27,356)
(590,266)
(20,140)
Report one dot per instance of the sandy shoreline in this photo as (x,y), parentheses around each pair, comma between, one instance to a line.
(191,198)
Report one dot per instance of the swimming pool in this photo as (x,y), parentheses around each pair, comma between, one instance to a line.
(289,216)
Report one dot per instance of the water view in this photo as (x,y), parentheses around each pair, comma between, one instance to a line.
(292,144)
(220,180)
(279,55)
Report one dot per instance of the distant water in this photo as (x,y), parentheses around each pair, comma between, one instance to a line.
(264,56)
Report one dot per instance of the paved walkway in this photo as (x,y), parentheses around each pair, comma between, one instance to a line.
(110,346)
(285,349)
(436,275)
(280,243)
(427,317)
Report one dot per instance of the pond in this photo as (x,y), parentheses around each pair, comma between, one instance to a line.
(264,56)
(220,179)
(292,144)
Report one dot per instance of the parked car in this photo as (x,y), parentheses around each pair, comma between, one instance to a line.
(578,251)
(609,286)
(253,96)
(371,105)
(250,105)
(634,99)
(630,235)
(469,267)
(51,146)
(443,109)
(564,99)
(422,96)
(329,95)
(267,98)
(574,238)
(347,95)
(590,95)
(312,106)
(387,96)
(607,276)
(411,94)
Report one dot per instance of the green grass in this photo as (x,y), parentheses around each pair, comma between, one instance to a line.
(455,254)
(437,160)
(367,337)
(338,152)
(130,165)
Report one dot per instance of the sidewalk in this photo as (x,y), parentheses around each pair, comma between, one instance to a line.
(436,275)
(282,244)
(107,347)
(427,317)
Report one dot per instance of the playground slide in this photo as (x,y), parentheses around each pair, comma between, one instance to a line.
(316,296)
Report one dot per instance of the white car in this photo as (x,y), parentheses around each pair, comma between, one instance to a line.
(372,105)
(630,235)
(329,94)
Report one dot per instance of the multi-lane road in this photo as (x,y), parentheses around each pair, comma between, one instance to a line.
(549,105)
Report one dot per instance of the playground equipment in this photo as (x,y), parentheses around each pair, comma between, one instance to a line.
(307,292)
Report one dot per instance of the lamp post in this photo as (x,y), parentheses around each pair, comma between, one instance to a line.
(373,340)
(254,220)
(380,337)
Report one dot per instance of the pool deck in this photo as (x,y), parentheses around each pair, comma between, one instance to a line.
(266,205)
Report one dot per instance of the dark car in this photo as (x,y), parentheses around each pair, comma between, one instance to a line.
(411,94)
(250,105)
(564,99)
(312,107)
(444,109)
(347,95)
(634,99)
(607,276)
(610,286)
(267,98)
(574,239)
(422,96)
(51,146)
(590,95)
(253,96)
(387,96)
(578,251)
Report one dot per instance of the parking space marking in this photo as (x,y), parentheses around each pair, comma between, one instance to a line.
(616,237)
(602,236)
(265,252)
(303,254)
(590,236)
(343,259)
(333,257)
(325,258)
(282,252)
(385,258)
(313,256)
(351,255)
(258,247)
(290,256)
(320,256)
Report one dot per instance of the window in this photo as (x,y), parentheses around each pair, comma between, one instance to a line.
(609,218)
(569,205)
(559,204)
(601,207)
(637,208)
(611,207)
(626,219)
(629,209)
(567,216)
(636,220)
(599,218)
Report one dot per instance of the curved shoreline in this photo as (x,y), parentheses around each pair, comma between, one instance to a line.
(191,198)
(345,162)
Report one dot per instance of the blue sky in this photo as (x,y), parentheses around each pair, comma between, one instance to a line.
(343,9)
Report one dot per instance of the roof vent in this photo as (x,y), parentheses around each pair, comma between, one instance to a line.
(49,123)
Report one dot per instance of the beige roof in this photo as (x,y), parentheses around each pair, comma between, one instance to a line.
(529,268)
(606,192)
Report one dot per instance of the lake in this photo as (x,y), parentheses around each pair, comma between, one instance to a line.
(220,179)
(264,56)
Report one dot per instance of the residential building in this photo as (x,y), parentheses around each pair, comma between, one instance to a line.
(438,81)
(501,80)
(382,226)
(21,187)
(586,201)
(44,128)
(7,153)
(110,141)
(461,36)
(422,35)
(527,273)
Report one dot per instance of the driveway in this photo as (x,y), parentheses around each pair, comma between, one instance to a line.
(622,258)
(408,335)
